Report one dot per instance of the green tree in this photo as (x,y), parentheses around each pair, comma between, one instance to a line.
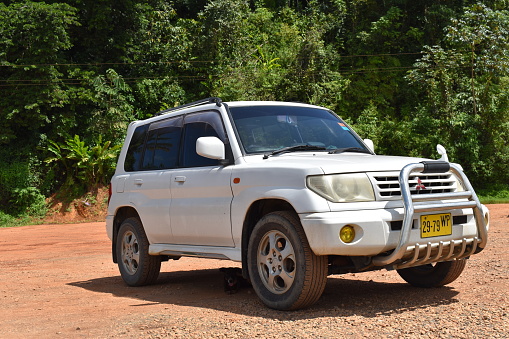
(163,62)
(88,68)
(113,109)
(33,39)
(466,100)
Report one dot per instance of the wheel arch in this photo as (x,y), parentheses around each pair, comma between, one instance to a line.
(255,212)
(122,214)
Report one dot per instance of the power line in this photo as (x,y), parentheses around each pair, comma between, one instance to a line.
(31,82)
(191,61)
(77,81)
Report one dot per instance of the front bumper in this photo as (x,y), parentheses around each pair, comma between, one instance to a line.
(373,233)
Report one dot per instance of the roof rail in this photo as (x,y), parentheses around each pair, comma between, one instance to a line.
(211,100)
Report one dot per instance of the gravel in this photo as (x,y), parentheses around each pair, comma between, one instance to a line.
(58,281)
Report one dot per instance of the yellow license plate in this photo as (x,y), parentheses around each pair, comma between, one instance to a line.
(435,225)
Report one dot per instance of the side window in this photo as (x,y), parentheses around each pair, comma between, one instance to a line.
(163,143)
(204,124)
(135,151)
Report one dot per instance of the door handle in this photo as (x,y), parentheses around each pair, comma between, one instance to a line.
(180,178)
(138,182)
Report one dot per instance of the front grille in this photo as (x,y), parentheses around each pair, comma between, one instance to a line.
(387,185)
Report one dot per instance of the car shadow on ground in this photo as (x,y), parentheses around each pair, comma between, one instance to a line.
(343,295)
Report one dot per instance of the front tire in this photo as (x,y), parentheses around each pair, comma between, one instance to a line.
(136,266)
(433,275)
(284,271)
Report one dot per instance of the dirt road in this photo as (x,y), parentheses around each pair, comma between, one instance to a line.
(58,281)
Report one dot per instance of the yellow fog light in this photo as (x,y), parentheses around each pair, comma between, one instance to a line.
(347,234)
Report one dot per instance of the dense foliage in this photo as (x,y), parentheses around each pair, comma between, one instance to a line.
(407,74)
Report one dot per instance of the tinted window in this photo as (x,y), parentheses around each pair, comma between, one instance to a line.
(206,124)
(135,150)
(162,146)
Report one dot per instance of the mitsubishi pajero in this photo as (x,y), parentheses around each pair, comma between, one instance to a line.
(291,192)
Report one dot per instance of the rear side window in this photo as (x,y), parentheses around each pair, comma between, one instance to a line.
(162,146)
(135,151)
(171,143)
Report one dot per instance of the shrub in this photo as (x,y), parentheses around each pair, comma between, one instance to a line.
(19,194)
(28,201)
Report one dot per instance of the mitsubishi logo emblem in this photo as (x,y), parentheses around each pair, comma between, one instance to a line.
(420,185)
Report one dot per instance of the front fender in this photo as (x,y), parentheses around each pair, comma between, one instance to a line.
(301,199)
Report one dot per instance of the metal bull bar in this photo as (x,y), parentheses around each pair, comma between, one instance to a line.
(434,252)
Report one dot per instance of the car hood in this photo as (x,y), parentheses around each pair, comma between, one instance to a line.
(336,163)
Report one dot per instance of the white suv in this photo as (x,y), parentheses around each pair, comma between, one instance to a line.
(291,192)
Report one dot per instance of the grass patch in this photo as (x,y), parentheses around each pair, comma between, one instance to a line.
(493,200)
(498,194)
(7,220)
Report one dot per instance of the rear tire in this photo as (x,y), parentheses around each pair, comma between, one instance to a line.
(284,272)
(136,266)
(433,275)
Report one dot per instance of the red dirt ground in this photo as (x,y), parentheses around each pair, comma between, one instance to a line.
(59,281)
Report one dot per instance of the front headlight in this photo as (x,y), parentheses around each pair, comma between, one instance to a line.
(353,187)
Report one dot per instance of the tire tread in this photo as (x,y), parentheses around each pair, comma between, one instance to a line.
(150,265)
(315,267)
(314,284)
(441,274)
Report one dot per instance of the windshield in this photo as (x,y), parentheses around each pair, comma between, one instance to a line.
(270,128)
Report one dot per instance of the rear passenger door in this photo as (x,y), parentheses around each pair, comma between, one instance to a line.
(154,155)
(200,189)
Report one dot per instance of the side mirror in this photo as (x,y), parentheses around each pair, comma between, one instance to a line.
(370,144)
(210,147)
(442,151)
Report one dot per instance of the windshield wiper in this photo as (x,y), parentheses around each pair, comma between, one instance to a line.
(350,149)
(295,148)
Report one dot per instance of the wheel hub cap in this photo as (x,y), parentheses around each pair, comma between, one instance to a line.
(276,262)
(130,252)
